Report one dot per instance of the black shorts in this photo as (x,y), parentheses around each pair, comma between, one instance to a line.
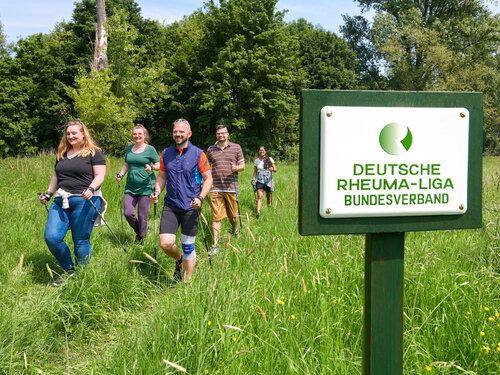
(172,217)
(261,186)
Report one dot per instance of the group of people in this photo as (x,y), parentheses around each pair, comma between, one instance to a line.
(186,172)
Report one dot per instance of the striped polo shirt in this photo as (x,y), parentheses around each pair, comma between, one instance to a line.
(221,160)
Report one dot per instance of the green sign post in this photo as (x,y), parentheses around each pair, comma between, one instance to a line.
(381,164)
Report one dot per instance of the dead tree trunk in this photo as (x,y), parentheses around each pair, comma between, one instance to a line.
(101,38)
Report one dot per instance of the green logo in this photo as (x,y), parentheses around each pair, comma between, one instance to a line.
(395,138)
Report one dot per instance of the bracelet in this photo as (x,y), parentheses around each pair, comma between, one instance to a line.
(201,199)
(48,195)
(120,175)
(156,193)
(91,189)
(149,165)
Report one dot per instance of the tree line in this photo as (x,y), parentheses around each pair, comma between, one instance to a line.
(239,63)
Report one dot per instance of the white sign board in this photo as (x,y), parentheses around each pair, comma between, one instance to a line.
(393,161)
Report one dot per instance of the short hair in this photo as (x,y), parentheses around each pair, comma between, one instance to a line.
(222,126)
(181,120)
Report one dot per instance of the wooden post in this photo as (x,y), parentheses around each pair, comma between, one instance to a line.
(383,318)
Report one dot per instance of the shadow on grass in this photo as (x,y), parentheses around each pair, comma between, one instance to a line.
(40,260)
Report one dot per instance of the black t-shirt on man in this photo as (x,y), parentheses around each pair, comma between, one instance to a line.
(75,175)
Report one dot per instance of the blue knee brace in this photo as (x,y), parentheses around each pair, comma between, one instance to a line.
(188,250)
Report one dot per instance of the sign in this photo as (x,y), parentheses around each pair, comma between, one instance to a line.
(386,161)
(389,161)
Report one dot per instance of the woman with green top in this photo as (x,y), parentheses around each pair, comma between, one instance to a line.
(140,160)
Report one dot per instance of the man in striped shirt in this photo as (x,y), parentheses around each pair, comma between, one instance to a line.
(226,160)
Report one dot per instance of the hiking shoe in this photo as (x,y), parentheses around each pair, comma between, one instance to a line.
(257,215)
(178,270)
(139,240)
(213,251)
(236,232)
(64,277)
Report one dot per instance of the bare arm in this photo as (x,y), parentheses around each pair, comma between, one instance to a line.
(124,170)
(52,189)
(238,167)
(159,185)
(150,167)
(273,168)
(99,173)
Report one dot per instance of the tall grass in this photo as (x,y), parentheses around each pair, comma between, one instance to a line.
(272,302)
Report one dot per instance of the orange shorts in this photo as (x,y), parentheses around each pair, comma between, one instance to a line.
(224,205)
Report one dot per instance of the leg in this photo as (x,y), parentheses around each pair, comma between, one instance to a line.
(231,207)
(144,203)
(218,213)
(167,243)
(82,218)
(260,195)
(169,223)
(55,230)
(129,203)
(215,230)
(189,225)
(269,197)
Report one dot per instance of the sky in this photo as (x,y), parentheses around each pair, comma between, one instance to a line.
(21,18)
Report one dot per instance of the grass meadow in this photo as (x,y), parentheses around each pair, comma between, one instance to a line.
(272,302)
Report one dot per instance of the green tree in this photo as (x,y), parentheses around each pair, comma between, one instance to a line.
(438,45)
(250,78)
(326,59)
(108,117)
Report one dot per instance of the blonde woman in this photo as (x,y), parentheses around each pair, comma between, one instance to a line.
(140,160)
(78,174)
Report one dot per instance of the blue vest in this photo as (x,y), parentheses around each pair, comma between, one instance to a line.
(183,176)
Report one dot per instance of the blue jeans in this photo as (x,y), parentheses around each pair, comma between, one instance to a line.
(81,217)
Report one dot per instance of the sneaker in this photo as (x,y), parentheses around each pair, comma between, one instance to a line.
(64,277)
(214,250)
(236,232)
(178,270)
(139,240)
(257,215)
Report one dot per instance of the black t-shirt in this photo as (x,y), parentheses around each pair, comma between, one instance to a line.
(75,175)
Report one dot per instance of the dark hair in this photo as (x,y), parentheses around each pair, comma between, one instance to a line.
(267,160)
(222,126)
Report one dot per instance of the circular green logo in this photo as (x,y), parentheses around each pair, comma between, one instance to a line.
(395,138)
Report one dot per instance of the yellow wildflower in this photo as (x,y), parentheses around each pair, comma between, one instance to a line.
(482,333)
(491,319)
(234,338)
(486,349)
(206,371)
(486,308)
(497,315)
(468,312)
(292,317)
(209,322)
(428,368)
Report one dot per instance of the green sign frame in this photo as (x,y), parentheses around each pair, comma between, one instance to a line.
(312,101)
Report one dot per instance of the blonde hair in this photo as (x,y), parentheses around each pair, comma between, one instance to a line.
(144,130)
(89,146)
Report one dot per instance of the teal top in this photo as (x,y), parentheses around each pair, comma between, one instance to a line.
(138,182)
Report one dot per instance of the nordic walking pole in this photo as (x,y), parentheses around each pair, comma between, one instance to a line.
(121,208)
(104,221)
(237,202)
(44,203)
(155,206)
(205,240)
